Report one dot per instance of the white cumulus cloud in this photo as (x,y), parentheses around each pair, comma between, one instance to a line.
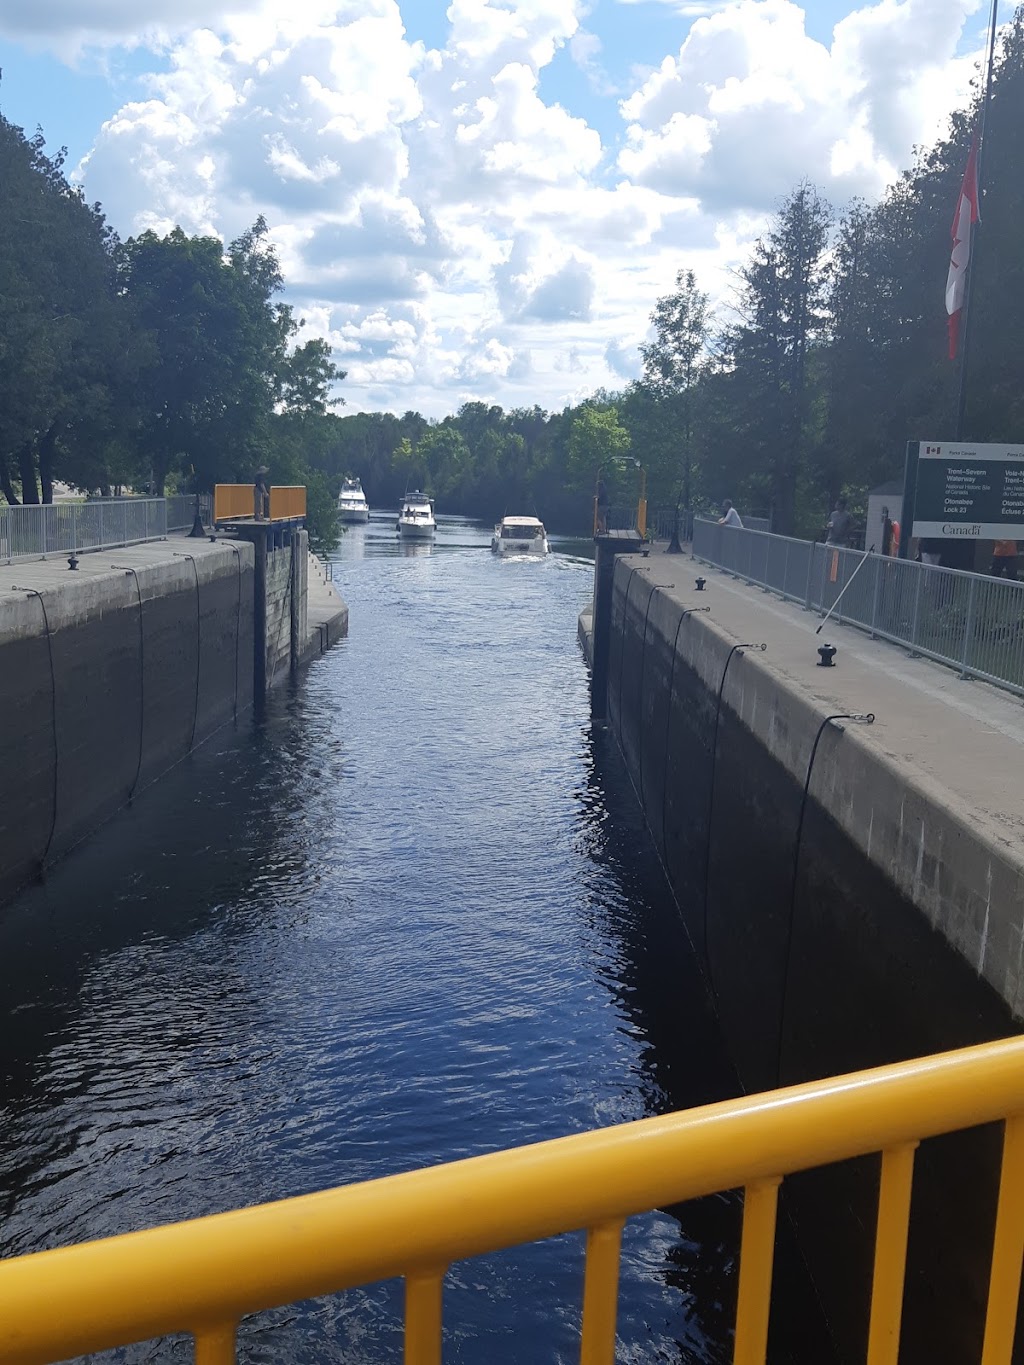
(463,219)
(751,103)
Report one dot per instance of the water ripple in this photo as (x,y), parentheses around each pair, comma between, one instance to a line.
(409,916)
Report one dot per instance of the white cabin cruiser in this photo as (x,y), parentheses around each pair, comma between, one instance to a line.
(416,519)
(519,536)
(352,504)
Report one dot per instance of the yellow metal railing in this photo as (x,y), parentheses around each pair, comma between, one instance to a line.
(232,501)
(202,1277)
(287,501)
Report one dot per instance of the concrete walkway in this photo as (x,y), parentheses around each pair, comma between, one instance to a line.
(327,619)
(964,739)
(53,574)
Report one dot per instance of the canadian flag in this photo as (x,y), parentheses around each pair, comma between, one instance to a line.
(964,218)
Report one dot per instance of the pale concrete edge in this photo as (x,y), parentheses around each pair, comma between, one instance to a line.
(106,585)
(585,634)
(327,616)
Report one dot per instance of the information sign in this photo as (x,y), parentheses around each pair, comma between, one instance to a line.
(969,491)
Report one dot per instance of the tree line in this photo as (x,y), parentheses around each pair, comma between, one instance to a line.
(833,352)
(155,364)
(804,386)
(169,361)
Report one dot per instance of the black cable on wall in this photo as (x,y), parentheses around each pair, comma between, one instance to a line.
(687,611)
(34,592)
(622,644)
(238,626)
(142,676)
(862,718)
(640,699)
(711,798)
(199,643)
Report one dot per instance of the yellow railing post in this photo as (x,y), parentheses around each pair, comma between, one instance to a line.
(757,1261)
(601,1294)
(205,1275)
(423,1300)
(215,1345)
(890,1254)
(1007,1250)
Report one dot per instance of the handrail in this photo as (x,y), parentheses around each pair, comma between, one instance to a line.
(236,502)
(286,501)
(970,621)
(37,530)
(232,500)
(202,1276)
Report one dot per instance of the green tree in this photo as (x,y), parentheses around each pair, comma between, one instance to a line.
(782,301)
(597,440)
(61,328)
(444,455)
(220,361)
(672,361)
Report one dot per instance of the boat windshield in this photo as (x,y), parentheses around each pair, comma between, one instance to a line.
(521,532)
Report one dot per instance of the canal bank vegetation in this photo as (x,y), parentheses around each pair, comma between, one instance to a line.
(153,364)
(169,362)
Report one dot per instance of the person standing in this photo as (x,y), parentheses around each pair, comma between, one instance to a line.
(886,532)
(602,505)
(1004,559)
(261,495)
(837,529)
(730,517)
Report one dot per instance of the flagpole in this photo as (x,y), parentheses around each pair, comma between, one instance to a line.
(965,318)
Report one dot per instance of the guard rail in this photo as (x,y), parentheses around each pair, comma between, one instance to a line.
(37,530)
(969,621)
(202,1277)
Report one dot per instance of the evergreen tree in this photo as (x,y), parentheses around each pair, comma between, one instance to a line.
(782,301)
(682,326)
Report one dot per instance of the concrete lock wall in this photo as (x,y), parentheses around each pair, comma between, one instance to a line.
(880,940)
(282,618)
(127,672)
(279,612)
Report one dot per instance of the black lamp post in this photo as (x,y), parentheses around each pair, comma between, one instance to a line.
(674,545)
(198,531)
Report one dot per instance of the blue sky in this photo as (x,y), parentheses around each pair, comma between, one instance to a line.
(69,102)
(483,199)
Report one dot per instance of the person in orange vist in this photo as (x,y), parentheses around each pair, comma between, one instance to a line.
(1004,559)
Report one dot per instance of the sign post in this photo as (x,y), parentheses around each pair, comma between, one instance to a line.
(963,490)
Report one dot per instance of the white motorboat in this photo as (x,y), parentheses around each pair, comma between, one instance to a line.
(519,536)
(416,519)
(352,504)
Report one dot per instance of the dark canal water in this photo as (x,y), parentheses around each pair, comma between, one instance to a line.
(409,916)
